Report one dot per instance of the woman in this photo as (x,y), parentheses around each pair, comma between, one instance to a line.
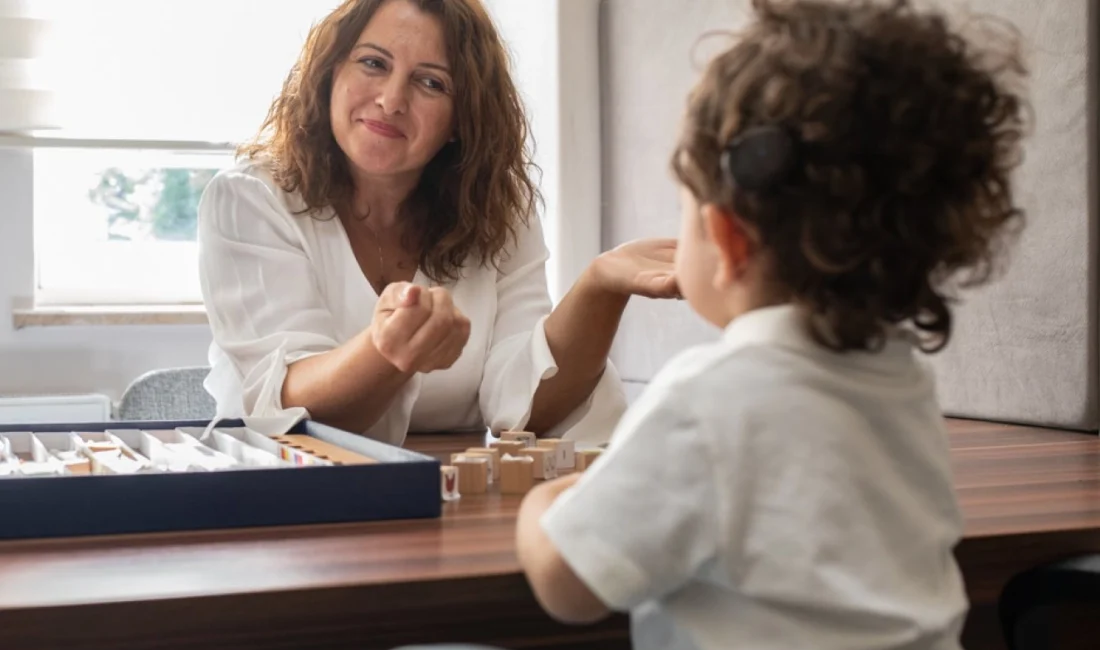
(375,262)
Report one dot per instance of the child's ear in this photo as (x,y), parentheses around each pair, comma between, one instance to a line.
(731,236)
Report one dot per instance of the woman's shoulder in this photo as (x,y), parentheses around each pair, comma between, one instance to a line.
(252,183)
(245,199)
(246,177)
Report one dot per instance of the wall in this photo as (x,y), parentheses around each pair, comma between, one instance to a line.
(554,47)
(1025,348)
(647,69)
(37,361)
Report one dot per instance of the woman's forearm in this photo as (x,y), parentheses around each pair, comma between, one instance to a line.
(349,387)
(580,332)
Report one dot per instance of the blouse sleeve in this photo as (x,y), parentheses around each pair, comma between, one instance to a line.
(260,289)
(519,357)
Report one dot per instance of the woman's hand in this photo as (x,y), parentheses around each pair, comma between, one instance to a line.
(582,327)
(645,267)
(418,329)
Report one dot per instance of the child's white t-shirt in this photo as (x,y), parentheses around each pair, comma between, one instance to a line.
(766,493)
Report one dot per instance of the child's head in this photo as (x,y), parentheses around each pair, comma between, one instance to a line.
(850,157)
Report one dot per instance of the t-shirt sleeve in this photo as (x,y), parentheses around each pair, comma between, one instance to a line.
(519,357)
(259,286)
(642,520)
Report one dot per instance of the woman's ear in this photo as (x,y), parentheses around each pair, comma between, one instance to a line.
(733,241)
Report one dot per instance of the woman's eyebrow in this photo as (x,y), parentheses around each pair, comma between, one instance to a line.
(388,54)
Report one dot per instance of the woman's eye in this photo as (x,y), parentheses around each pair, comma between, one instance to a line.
(434,85)
(373,63)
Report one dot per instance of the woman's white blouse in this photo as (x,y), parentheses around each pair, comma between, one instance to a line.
(280,287)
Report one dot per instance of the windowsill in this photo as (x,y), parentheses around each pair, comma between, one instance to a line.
(101,315)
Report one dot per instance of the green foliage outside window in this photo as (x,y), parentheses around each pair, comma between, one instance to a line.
(154,204)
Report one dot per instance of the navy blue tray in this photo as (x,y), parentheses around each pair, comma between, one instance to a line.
(402,485)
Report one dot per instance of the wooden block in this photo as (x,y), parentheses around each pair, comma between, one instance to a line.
(495,453)
(564,452)
(448,482)
(493,473)
(517,474)
(494,466)
(544,462)
(567,454)
(526,437)
(585,458)
(507,446)
(473,474)
(323,450)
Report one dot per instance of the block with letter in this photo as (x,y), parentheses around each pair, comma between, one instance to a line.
(448,482)
(473,473)
(564,451)
(585,458)
(495,454)
(544,462)
(507,446)
(492,474)
(517,474)
(526,437)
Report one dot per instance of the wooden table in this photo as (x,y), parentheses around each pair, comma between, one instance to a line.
(1029,496)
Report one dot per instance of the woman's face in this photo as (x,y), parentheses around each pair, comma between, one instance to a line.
(392,104)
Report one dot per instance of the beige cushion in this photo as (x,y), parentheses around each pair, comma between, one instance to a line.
(1025,349)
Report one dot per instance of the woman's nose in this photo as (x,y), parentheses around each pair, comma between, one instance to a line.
(393,96)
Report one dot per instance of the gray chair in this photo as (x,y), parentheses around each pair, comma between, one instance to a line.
(168,394)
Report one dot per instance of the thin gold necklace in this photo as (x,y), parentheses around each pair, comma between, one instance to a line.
(381,253)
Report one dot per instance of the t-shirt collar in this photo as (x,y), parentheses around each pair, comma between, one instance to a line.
(785,326)
(778,324)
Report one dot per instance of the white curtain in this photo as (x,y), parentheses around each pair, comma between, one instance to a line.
(146,70)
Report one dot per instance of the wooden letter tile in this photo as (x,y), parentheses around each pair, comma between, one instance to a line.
(526,437)
(473,474)
(507,446)
(517,474)
(544,462)
(491,474)
(585,458)
(448,478)
(495,454)
(564,454)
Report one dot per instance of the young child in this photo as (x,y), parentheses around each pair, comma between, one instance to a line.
(789,485)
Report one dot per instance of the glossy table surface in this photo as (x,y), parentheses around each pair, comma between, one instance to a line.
(1028,495)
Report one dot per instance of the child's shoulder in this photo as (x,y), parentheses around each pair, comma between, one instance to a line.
(718,377)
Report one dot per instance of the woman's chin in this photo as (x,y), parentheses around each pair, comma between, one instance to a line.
(378,165)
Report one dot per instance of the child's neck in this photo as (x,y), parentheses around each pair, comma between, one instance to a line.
(743,304)
(756,289)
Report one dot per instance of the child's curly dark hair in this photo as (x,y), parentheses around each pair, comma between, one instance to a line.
(904,139)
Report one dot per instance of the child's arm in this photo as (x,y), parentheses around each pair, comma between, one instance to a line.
(637,526)
(557,588)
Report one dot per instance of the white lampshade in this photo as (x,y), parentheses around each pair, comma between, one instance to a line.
(26,103)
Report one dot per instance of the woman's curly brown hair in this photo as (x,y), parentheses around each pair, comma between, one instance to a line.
(476,191)
(906,137)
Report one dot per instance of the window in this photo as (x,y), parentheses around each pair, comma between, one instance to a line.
(118,225)
(129,108)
